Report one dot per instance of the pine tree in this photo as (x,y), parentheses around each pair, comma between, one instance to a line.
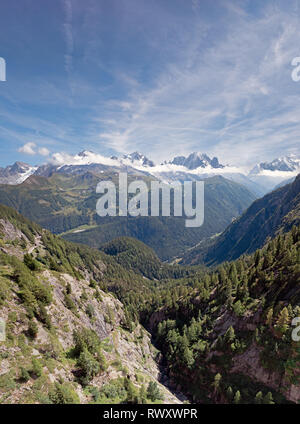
(237,397)
(188,358)
(153,392)
(269,317)
(230,334)
(283,320)
(259,398)
(257,258)
(216,383)
(229,293)
(233,275)
(229,393)
(143,394)
(268,399)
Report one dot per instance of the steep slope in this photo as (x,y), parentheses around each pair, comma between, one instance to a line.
(68,340)
(228,336)
(277,211)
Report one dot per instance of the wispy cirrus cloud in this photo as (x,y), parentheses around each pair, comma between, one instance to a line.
(68,33)
(227,97)
(164,78)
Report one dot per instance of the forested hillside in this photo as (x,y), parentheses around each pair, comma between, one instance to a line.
(227,337)
(134,255)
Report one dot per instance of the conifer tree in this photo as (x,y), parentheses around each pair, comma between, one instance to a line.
(259,398)
(237,397)
(283,320)
(268,399)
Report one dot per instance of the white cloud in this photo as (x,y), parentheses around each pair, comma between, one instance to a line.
(31,149)
(44,151)
(28,149)
(61,159)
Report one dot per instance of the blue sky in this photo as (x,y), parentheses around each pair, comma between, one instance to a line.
(165,77)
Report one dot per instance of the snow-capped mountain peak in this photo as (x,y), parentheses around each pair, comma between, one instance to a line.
(16,173)
(196,160)
(290,163)
(85,153)
(278,172)
(138,159)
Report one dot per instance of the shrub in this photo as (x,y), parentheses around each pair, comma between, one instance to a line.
(90,311)
(33,329)
(63,393)
(69,303)
(89,367)
(153,392)
(37,368)
(24,375)
(30,262)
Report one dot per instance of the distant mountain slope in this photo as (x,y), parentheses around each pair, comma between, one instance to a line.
(278,210)
(168,236)
(64,202)
(285,182)
(136,256)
